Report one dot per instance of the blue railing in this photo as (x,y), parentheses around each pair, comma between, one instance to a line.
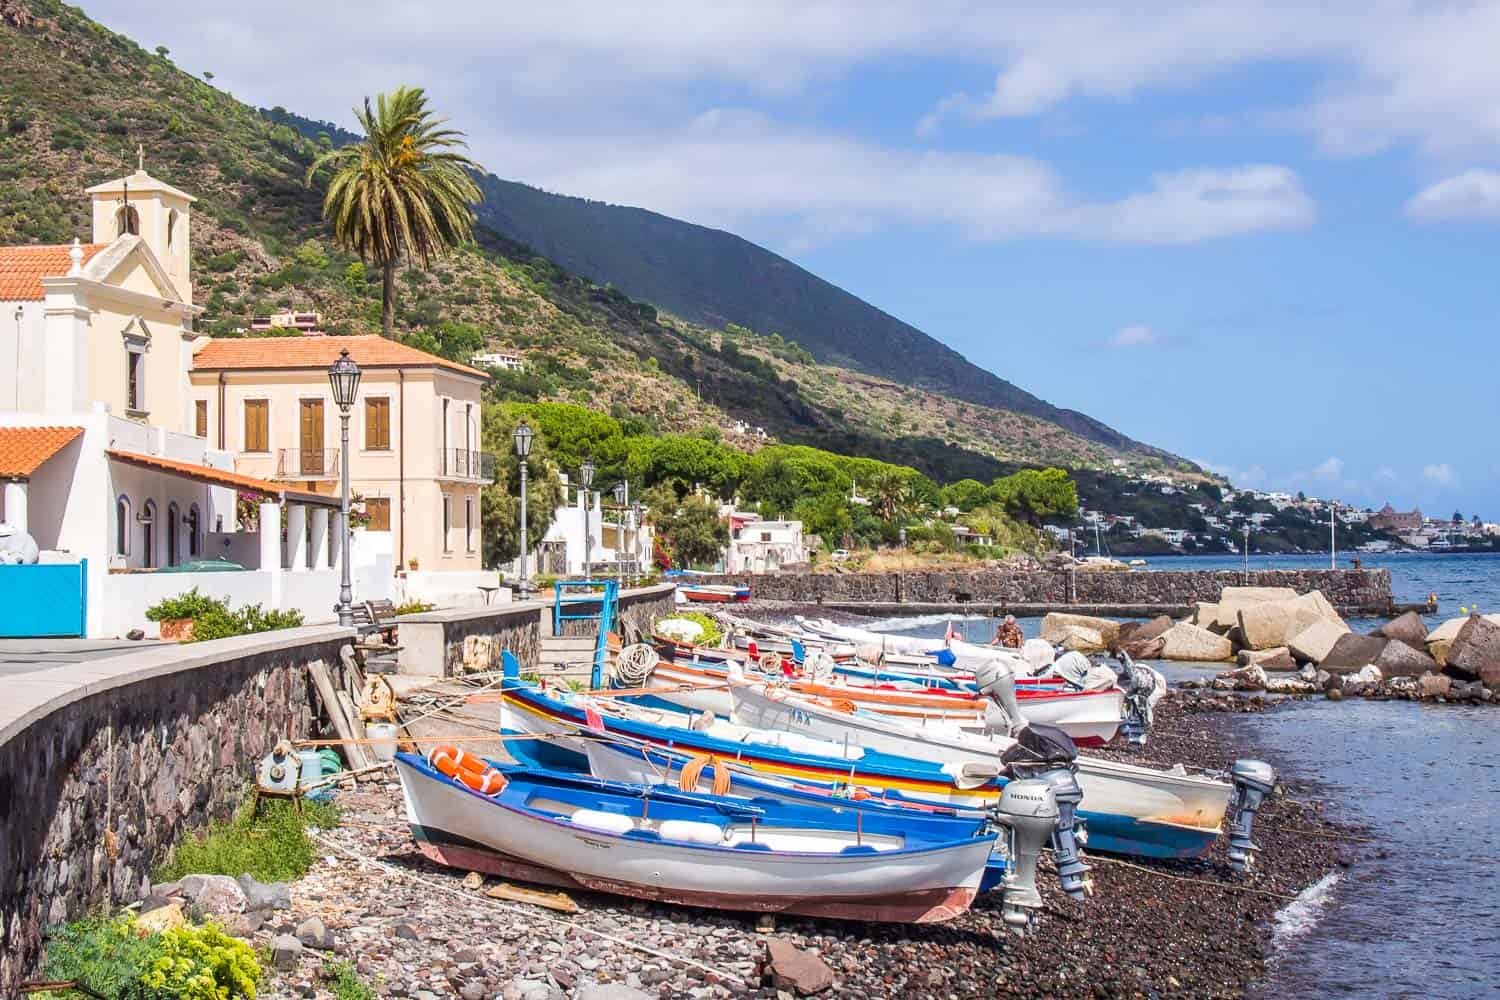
(602,600)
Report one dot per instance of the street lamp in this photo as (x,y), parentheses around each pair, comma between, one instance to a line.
(523,449)
(622,496)
(586,477)
(635,540)
(343,377)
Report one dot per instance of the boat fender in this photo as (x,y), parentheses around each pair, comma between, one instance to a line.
(1027,812)
(604,822)
(1253,781)
(691,831)
(1072,873)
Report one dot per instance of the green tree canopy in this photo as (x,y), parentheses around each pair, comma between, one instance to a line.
(693,533)
(1037,495)
(966,494)
(500,503)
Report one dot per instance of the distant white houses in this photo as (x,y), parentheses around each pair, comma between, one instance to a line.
(305,322)
(757,546)
(604,539)
(503,360)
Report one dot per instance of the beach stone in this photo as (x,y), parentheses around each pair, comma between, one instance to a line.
(265,895)
(1398,659)
(1314,643)
(1185,641)
(1204,614)
(1279,658)
(1408,628)
(163,918)
(1056,626)
(1232,599)
(787,967)
(1038,653)
(1334,694)
(1251,678)
(1434,685)
(215,895)
(1270,624)
(313,933)
(1352,652)
(1134,631)
(285,952)
(1143,649)
(1077,639)
(610,991)
(1476,646)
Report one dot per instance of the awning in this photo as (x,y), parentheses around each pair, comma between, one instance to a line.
(223,477)
(24,449)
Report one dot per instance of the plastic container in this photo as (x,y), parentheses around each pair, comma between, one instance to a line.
(383,735)
(311,764)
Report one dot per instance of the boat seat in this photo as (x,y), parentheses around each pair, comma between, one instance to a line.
(858,849)
(604,822)
(691,831)
(748,846)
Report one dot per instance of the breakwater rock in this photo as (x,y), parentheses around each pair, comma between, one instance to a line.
(1365,590)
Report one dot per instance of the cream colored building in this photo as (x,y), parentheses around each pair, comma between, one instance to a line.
(414,449)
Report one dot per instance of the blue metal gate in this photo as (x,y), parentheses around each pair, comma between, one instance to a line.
(38,601)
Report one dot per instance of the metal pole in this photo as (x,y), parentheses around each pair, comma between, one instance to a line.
(588,533)
(1247,555)
(346,590)
(1333,538)
(525,580)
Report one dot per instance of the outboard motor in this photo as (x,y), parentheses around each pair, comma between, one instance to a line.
(1072,873)
(1072,667)
(1028,811)
(993,677)
(1143,688)
(1253,781)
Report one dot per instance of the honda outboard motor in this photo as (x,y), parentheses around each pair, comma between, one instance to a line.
(1028,812)
(993,677)
(1072,667)
(1072,873)
(1253,781)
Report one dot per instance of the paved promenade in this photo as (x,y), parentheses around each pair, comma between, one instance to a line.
(24,656)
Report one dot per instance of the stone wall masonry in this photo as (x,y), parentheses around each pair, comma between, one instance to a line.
(641,606)
(107,763)
(1365,589)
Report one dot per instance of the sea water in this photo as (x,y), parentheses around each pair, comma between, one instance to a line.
(1424,921)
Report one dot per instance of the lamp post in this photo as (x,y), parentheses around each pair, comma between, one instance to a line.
(523,449)
(586,477)
(343,377)
(635,540)
(622,498)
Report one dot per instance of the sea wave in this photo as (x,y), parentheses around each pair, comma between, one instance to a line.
(1302,914)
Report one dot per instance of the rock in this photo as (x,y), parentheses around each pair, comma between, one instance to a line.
(265,895)
(1143,649)
(1269,624)
(610,991)
(1077,639)
(1185,641)
(1232,599)
(1351,652)
(152,902)
(1398,659)
(1314,643)
(1279,658)
(163,918)
(1038,653)
(1466,691)
(1334,694)
(313,933)
(1366,676)
(1137,631)
(217,896)
(1434,685)
(473,880)
(787,967)
(1055,627)
(285,952)
(406,932)
(135,635)
(1204,614)
(1289,685)
(1408,628)
(1251,678)
(244,925)
(1476,646)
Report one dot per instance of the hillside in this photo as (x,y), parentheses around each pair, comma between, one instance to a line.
(76,99)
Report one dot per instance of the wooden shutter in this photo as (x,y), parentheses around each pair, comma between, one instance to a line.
(200,418)
(257,425)
(379,509)
(377,423)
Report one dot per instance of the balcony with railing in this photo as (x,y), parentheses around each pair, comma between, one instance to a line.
(307,463)
(465,463)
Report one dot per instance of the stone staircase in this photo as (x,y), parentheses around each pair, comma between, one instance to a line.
(567,656)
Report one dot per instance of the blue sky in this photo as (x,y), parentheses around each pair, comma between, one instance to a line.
(1260,235)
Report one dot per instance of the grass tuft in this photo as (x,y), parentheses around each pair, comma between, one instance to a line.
(274,847)
(345,983)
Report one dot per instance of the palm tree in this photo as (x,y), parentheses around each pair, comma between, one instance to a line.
(404,190)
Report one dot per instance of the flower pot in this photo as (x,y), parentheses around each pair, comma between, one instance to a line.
(177,630)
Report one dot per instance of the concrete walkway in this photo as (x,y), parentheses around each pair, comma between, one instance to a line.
(24,656)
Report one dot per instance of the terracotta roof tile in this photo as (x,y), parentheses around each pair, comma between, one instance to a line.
(373,351)
(217,477)
(24,449)
(23,268)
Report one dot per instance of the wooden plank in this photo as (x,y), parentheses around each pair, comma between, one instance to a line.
(559,901)
(330,699)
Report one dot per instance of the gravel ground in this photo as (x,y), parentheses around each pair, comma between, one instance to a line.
(413,929)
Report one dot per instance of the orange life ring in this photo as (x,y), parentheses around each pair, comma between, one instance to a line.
(469,769)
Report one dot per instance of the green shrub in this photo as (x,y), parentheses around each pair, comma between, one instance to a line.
(412,608)
(274,847)
(107,956)
(345,982)
(217,623)
(192,604)
(712,633)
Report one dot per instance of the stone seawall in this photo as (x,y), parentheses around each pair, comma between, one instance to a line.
(1366,590)
(105,764)
(641,607)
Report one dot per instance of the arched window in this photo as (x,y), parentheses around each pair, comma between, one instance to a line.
(171,228)
(194,526)
(127,221)
(122,526)
(174,529)
(148,534)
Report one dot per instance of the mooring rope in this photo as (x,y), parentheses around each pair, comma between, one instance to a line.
(1228,887)
(530,913)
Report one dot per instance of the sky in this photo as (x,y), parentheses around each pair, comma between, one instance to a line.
(1260,235)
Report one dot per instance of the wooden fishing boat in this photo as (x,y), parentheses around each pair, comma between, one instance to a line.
(1128,809)
(687,848)
(708,593)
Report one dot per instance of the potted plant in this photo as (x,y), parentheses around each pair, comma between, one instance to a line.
(411,563)
(175,615)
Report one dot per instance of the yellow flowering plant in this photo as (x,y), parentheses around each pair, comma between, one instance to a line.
(203,963)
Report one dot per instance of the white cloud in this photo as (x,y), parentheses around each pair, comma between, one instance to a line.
(1328,471)
(1439,475)
(1137,335)
(1473,194)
